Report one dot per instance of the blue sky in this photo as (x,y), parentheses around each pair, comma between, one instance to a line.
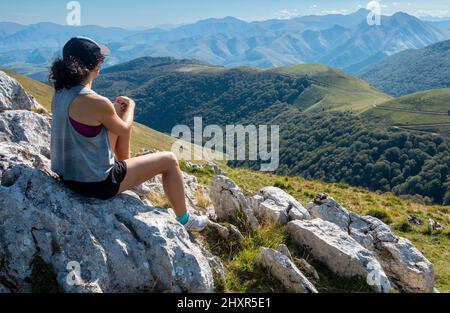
(147,13)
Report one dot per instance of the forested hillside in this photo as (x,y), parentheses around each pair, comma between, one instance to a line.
(342,147)
(412,70)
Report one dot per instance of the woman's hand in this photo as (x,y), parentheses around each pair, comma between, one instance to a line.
(125,103)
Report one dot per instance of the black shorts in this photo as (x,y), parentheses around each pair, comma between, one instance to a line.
(104,190)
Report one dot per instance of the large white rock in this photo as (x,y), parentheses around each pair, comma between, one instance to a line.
(13,96)
(24,139)
(25,127)
(340,252)
(228,200)
(408,269)
(121,245)
(275,205)
(282,268)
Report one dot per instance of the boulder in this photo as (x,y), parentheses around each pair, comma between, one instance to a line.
(119,245)
(24,139)
(226,232)
(83,245)
(14,97)
(283,269)
(408,269)
(275,205)
(338,251)
(229,200)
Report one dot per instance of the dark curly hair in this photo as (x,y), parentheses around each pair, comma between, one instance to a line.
(69,72)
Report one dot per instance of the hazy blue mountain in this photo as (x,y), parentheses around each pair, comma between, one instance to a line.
(369,43)
(330,20)
(203,28)
(8,28)
(412,70)
(343,41)
(442,24)
(230,26)
(50,35)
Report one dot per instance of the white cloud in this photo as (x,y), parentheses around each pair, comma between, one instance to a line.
(431,13)
(287,14)
(343,11)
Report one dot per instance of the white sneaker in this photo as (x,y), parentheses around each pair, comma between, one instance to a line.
(196,223)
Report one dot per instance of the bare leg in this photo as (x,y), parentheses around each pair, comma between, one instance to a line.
(120,145)
(145,167)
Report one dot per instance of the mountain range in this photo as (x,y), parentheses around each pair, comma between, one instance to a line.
(343,41)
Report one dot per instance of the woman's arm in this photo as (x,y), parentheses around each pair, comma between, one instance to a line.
(104,111)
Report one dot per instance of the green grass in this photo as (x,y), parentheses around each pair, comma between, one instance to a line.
(144,137)
(433,100)
(382,215)
(333,90)
(243,274)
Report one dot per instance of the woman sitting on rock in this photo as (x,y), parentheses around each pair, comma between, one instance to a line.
(88,130)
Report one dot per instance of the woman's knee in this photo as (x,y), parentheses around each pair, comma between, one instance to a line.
(170,160)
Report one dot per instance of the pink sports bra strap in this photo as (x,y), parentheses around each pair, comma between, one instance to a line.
(86,130)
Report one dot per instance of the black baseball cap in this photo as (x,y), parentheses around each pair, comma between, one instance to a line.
(86,50)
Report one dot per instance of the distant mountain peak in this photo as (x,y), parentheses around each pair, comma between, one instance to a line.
(403,16)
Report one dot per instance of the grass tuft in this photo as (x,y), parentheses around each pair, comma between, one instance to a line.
(381,215)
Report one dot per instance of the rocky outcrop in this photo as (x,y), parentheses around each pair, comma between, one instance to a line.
(14,97)
(340,252)
(119,245)
(24,139)
(407,267)
(284,269)
(275,205)
(229,201)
